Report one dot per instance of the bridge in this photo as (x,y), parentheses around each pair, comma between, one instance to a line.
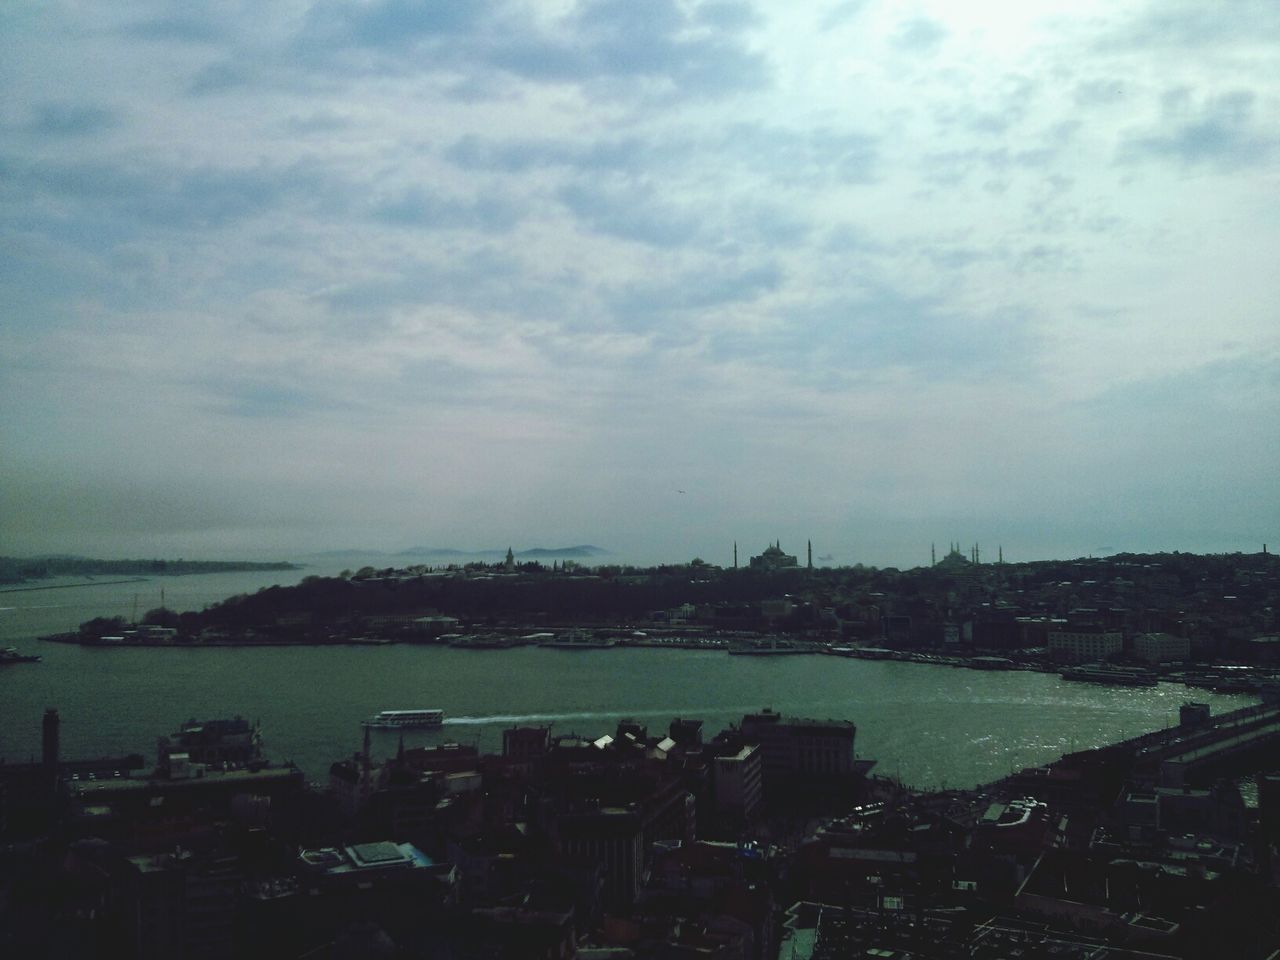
(1175,757)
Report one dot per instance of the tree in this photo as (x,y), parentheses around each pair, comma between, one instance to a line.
(102,626)
(161,617)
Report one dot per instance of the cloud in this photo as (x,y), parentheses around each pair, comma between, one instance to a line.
(630,210)
(814,156)
(610,44)
(331,246)
(168,196)
(478,277)
(1219,132)
(384,24)
(221,77)
(518,155)
(183,26)
(247,398)
(920,35)
(645,303)
(879,326)
(421,208)
(71,120)
(838,14)
(1195,25)
(1099,93)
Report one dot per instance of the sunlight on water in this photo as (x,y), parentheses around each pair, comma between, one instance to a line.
(928,725)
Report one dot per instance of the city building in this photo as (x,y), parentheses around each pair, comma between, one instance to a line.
(800,746)
(1084,645)
(738,783)
(772,558)
(1161,647)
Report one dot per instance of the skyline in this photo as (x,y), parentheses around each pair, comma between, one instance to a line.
(283,280)
(590,556)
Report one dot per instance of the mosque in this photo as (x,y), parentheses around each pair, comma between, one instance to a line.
(773,558)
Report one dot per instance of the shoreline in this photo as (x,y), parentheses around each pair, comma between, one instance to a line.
(980,662)
(76,586)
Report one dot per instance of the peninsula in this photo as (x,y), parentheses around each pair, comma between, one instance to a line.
(1151,614)
(19,570)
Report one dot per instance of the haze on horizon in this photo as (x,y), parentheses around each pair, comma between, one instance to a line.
(654,276)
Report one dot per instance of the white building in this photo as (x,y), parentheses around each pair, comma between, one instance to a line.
(1161,647)
(1084,646)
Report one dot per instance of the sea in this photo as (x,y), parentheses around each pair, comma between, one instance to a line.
(926,725)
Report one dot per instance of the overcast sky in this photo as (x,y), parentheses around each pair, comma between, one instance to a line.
(652,275)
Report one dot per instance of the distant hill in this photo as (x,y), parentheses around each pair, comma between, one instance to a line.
(341,554)
(447,552)
(582,550)
(18,569)
(536,553)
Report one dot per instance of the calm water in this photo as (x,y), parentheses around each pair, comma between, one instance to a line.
(929,725)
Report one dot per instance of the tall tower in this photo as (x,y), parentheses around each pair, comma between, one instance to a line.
(1000,554)
(49,742)
(810,554)
(933,554)
(735,554)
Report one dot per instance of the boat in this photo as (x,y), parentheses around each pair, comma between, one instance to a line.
(484,641)
(579,640)
(772,646)
(11,655)
(402,719)
(1122,676)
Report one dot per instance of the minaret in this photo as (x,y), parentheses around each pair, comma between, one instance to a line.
(1000,554)
(933,554)
(810,554)
(735,554)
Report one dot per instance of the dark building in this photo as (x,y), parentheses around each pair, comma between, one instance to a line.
(772,558)
(50,735)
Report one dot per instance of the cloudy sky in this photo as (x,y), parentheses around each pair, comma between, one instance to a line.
(653,275)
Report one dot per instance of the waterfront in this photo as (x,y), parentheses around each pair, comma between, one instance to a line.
(60,604)
(928,725)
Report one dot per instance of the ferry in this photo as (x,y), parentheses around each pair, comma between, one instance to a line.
(1102,673)
(579,640)
(771,646)
(400,719)
(11,655)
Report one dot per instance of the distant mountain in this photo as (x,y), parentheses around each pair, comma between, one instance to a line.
(582,550)
(339,554)
(15,568)
(536,553)
(447,552)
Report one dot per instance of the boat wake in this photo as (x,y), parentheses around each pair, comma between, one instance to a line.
(694,712)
